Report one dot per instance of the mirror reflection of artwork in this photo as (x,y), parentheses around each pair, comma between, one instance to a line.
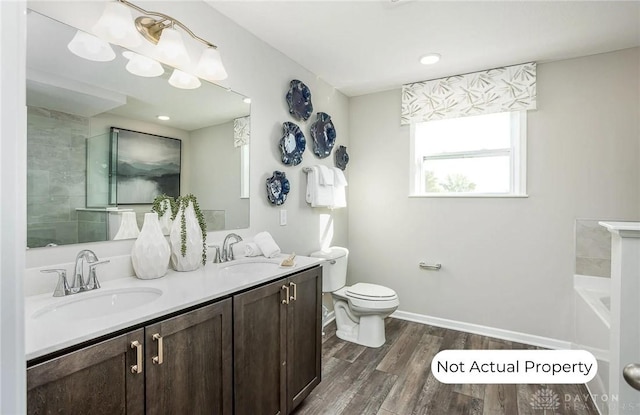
(147,166)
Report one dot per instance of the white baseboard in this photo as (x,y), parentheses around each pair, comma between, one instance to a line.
(525,338)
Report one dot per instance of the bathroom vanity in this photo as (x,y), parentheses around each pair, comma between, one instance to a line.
(240,337)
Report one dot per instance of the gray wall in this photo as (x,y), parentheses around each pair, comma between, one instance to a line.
(507,262)
(215,174)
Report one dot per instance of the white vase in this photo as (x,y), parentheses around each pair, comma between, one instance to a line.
(165,218)
(128,227)
(192,259)
(150,253)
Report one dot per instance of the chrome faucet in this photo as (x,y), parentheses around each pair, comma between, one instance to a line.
(80,283)
(227,248)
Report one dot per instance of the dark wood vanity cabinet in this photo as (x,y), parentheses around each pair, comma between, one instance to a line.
(277,344)
(97,380)
(189,362)
(255,353)
(183,367)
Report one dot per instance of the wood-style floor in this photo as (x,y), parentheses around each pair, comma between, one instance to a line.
(396,379)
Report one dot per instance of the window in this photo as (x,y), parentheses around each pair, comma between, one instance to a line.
(483,155)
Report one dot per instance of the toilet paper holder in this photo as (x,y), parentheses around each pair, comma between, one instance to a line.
(432,267)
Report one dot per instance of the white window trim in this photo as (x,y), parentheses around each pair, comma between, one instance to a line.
(518,176)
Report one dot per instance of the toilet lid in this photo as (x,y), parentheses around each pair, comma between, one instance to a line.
(370,291)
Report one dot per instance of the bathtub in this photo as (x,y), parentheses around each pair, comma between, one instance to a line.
(592,330)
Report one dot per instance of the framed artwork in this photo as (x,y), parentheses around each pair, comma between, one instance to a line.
(146,165)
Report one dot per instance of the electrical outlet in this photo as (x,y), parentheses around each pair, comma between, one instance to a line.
(283,217)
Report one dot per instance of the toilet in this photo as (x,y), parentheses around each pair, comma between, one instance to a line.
(361,308)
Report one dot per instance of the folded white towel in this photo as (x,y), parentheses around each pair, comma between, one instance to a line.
(267,245)
(339,190)
(326,175)
(251,249)
(339,179)
(318,195)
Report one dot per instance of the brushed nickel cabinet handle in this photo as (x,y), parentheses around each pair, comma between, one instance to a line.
(137,368)
(294,297)
(157,360)
(286,296)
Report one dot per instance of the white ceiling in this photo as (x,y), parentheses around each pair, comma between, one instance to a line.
(361,47)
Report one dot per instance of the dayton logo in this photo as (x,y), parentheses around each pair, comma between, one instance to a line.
(545,399)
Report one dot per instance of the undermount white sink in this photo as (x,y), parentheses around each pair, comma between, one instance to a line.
(97,303)
(249,267)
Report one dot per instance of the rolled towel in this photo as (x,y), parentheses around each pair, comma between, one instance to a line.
(251,249)
(267,245)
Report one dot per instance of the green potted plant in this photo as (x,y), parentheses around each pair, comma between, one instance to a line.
(188,236)
(167,209)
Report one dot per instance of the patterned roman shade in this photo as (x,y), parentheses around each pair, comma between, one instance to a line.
(241,131)
(510,88)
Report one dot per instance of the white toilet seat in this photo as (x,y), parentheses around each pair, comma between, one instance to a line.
(362,297)
(366,291)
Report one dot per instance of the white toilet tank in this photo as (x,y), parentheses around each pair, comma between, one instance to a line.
(334,273)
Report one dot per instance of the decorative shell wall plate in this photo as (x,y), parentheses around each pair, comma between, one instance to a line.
(277,188)
(342,158)
(324,135)
(292,144)
(299,100)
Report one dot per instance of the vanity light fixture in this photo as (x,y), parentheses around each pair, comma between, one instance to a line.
(116,26)
(163,117)
(159,29)
(210,65)
(141,65)
(90,47)
(171,48)
(430,59)
(184,80)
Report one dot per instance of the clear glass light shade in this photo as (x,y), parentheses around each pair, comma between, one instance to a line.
(90,47)
(184,80)
(142,66)
(117,26)
(171,48)
(210,66)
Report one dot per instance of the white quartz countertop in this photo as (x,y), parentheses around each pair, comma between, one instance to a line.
(180,290)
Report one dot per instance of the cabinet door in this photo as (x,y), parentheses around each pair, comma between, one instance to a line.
(304,335)
(95,380)
(189,362)
(259,330)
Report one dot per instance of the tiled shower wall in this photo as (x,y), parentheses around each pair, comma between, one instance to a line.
(56,175)
(593,249)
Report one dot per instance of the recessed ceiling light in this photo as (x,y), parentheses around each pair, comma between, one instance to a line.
(163,117)
(247,100)
(430,59)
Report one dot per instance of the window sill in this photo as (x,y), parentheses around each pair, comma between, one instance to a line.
(470,196)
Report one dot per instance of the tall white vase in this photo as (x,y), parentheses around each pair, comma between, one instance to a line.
(165,218)
(128,226)
(192,258)
(150,253)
